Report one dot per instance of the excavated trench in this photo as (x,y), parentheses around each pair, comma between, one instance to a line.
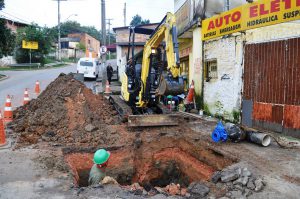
(157,163)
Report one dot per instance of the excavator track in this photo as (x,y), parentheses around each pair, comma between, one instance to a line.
(121,107)
(125,113)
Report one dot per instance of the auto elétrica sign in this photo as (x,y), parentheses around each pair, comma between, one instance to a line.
(250,16)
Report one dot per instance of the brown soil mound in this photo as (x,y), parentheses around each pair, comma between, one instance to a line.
(67,112)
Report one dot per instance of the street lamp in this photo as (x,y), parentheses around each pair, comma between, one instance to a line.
(71,16)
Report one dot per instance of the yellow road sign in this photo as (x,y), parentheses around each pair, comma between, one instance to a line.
(249,16)
(30,44)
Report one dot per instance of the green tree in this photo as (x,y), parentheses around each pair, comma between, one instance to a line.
(137,20)
(44,37)
(69,27)
(1,4)
(7,38)
(81,46)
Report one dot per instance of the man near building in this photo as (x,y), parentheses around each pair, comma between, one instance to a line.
(109,71)
(98,172)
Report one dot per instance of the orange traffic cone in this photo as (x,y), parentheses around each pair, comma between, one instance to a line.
(2,132)
(26,97)
(190,97)
(8,114)
(107,88)
(37,89)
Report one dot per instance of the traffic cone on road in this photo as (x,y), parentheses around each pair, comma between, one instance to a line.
(26,97)
(37,89)
(8,114)
(190,97)
(107,88)
(2,132)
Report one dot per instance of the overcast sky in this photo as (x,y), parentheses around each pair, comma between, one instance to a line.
(44,12)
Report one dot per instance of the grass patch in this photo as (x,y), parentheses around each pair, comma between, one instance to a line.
(19,68)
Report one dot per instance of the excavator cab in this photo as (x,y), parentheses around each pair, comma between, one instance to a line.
(153,72)
(133,69)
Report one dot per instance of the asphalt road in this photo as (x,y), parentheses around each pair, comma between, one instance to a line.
(19,80)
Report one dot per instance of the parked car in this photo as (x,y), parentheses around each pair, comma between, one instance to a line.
(89,67)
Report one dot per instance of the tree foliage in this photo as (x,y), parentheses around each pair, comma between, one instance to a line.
(137,20)
(6,37)
(44,37)
(1,4)
(69,27)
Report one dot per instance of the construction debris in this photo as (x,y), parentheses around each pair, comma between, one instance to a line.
(239,182)
(65,113)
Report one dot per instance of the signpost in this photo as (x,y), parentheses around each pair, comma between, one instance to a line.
(249,16)
(30,45)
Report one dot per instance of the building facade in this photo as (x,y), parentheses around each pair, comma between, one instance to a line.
(91,44)
(122,42)
(250,76)
(13,26)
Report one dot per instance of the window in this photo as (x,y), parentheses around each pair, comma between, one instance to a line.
(211,70)
(86,63)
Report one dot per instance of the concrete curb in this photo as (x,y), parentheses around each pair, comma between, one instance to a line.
(4,78)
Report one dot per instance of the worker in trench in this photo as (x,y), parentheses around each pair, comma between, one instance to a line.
(97,172)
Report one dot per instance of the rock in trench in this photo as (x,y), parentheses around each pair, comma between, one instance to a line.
(90,128)
(230,175)
(216,177)
(198,190)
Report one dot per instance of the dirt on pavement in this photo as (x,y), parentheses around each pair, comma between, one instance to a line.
(67,113)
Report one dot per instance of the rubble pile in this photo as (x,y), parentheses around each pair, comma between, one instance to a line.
(67,112)
(239,182)
(194,190)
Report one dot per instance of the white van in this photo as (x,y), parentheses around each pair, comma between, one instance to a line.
(89,67)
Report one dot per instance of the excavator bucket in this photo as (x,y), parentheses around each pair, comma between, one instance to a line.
(153,120)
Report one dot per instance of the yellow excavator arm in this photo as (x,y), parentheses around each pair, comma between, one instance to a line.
(141,85)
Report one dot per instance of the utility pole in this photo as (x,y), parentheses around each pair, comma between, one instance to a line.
(108,32)
(103,56)
(58,27)
(58,11)
(103,22)
(109,24)
(227,5)
(124,14)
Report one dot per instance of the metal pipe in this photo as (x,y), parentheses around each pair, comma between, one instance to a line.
(259,138)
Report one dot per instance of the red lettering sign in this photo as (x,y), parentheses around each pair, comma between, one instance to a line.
(298,3)
(219,22)
(226,17)
(211,25)
(275,6)
(236,16)
(287,4)
(253,11)
(262,10)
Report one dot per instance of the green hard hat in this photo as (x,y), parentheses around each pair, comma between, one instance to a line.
(101,156)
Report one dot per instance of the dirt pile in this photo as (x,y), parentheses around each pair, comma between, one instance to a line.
(66,113)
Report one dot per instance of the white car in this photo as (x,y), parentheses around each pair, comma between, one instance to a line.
(89,67)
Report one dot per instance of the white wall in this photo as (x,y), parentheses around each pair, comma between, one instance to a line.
(196,61)
(229,55)
(227,92)
(7,60)
(121,64)
(274,32)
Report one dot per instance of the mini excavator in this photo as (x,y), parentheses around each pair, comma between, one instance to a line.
(150,74)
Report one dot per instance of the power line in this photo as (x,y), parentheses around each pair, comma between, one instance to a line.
(12,10)
(15,17)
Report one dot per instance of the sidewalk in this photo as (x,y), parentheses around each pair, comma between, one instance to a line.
(3,77)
